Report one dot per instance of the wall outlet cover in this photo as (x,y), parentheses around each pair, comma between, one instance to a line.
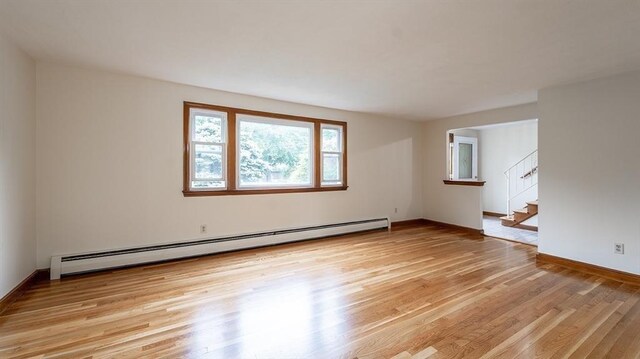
(618,248)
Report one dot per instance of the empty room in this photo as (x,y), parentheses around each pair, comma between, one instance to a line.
(319,179)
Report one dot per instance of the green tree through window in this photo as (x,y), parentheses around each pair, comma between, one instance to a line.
(274,154)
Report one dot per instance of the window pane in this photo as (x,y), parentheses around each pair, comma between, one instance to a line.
(465,153)
(331,139)
(208,128)
(274,155)
(208,162)
(207,184)
(330,167)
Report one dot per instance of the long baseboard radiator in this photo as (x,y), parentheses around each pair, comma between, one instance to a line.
(95,261)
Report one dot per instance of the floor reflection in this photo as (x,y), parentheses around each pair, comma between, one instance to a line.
(294,317)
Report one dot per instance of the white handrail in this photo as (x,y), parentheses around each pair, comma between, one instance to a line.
(522,160)
(521,176)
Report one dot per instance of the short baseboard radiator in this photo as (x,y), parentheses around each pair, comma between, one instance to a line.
(95,261)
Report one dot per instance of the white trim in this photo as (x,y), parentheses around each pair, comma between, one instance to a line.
(223,155)
(331,184)
(340,153)
(273,121)
(340,135)
(193,112)
(339,156)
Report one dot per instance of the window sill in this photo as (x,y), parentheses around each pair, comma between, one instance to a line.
(241,192)
(464,183)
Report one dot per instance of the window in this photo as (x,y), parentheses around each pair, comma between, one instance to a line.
(236,151)
(464,158)
(274,153)
(331,149)
(208,146)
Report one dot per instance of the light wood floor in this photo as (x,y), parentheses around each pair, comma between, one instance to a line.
(424,292)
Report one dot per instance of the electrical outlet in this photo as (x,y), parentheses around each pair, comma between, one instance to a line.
(618,248)
(203,228)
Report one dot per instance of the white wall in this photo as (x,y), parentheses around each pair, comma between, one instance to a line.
(590,171)
(460,205)
(500,147)
(17,166)
(466,132)
(110,166)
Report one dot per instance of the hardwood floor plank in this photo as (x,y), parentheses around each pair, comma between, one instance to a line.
(416,292)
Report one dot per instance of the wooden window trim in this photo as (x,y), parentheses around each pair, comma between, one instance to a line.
(231,179)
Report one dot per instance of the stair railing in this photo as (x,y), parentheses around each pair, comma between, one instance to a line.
(521,177)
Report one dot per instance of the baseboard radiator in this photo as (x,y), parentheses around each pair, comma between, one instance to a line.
(95,261)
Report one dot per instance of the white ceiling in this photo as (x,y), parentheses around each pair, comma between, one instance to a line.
(410,59)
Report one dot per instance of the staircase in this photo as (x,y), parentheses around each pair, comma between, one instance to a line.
(521,215)
(520,178)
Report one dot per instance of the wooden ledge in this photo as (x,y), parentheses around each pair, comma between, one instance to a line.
(241,192)
(614,274)
(464,183)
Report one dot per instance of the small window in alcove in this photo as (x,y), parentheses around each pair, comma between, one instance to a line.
(463,157)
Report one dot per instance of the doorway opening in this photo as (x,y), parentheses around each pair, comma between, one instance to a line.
(505,156)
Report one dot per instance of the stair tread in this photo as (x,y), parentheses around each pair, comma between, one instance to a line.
(507,218)
(523,211)
(533,203)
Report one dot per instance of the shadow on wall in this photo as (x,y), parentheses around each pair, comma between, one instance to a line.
(387,153)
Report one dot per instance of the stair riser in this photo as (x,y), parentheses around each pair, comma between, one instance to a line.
(520,217)
(508,223)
